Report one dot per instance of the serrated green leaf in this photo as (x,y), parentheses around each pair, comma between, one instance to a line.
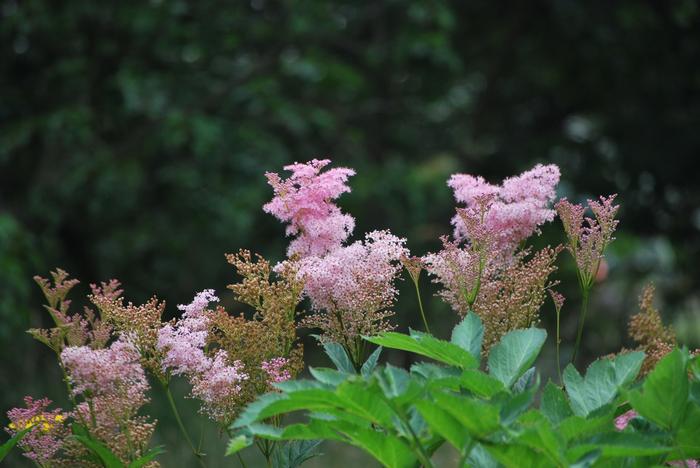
(528,379)
(238,443)
(443,423)
(517,456)
(293,453)
(687,441)
(480,383)
(387,449)
(328,376)
(554,404)
(339,357)
(469,334)
(371,363)
(478,417)
(664,395)
(602,382)
(428,346)
(618,444)
(516,352)
(577,427)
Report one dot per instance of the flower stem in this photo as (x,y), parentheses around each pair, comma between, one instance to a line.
(561,381)
(420,306)
(582,319)
(176,413)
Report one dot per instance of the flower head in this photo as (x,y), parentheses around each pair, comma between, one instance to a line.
(515,209)
(588,237)
(47,429)
(305,201)
(354,285)
(215,381)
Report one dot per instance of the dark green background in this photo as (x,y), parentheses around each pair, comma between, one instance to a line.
(134,136)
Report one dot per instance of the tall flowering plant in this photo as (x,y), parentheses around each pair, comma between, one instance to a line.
(478,393)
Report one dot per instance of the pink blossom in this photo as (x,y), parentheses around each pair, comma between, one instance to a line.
(515,209)
(357,278)
(47,429)
(305,201)
(214,381)
(217,384)
(588,238)
(275,369)
(184,342)
(457,270)
(624,419)
(99,372)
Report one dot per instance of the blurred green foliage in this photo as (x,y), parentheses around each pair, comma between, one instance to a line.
(134,137)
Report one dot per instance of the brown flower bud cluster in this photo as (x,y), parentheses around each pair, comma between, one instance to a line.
(270,332)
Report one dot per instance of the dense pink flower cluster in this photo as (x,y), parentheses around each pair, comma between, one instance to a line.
(214,381)
(305,201)
(276,369)
(355,278)
(47,429)
(101,372)
(516,208)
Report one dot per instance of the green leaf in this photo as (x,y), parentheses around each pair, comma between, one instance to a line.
(108,458)
(389,450)
(619,444)
(328,376)
(516,352)
(481,458)
(664,395)
(428,346)
(517,456)
(687,442)
(554,404)
(294,453)
(627,367)
(7,447)
(339,357)
(147,457)
(371,362)
(577,427)
(527,380)
(238,443)
(602,382)
(443,423)
(478,417)
(480,383)
(469,334)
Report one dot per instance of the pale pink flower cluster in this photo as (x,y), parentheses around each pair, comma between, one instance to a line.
(589,237)
(516,208)
(624,419)
(47,429)
(356,278)
(106,372)
(214,381)
(276,369)
(457,270)
(305,201)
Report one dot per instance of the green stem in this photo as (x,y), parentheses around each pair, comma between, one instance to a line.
(582,319)
(561,381)
(420,305)
(176,413)
(240,459)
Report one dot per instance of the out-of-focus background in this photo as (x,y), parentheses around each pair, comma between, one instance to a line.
(134,137)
